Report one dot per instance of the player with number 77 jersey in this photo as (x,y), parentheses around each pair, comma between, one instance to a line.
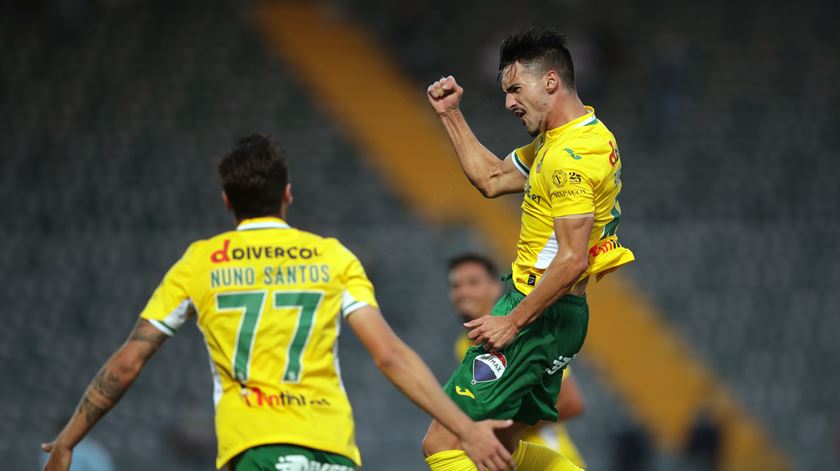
(269,300)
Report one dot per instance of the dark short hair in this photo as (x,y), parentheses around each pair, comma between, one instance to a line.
(545,48)
(254,176)
(485,262)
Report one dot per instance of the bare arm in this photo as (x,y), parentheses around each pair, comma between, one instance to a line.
(106,389)
(401,365)
(490,175)
(561,275)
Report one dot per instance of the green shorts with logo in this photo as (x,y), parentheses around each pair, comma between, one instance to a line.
(522,381)
(289,458)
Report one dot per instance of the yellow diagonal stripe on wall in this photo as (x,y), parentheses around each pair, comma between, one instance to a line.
(386,115)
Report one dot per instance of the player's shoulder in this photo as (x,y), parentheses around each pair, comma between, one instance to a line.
(588,140)
(311,237)
(203,249)
(327,245)
(595,138)
(583,148)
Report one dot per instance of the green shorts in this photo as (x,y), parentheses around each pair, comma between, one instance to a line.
(289,458)
(522,381)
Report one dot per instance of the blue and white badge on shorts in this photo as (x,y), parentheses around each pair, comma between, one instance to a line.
(488,367)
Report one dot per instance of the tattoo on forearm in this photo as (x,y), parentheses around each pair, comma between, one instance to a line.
(114,379)
(107,383)
(149,336)
(91,411)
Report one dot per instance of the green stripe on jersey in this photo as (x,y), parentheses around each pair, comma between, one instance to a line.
(162,326)
(522,167)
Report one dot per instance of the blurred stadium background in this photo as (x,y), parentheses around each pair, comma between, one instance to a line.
(115,112)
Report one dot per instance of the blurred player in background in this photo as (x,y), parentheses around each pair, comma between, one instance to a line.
(474,288)
(269,300)
(570,174)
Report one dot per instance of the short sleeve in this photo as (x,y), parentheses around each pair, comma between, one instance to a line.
(569,183)
(170,306)
(358,290)
(523,157)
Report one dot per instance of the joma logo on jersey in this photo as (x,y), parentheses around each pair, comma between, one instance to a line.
(464,392)
(488,367)
(559,364)
(226,254)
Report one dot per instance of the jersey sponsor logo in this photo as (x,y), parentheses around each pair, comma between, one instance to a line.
(256,397)
(559,364)
(488,367)
(464,392)
(566,193)
(603,247)
(614,155)
(533,197)
(559,178)
(302,463)
(226,254)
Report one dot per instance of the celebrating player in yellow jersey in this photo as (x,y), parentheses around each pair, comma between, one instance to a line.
(570,174)
(474,287)
(269,300)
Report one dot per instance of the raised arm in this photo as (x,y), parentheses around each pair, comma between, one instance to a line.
(103,393)
(490,175)
(401,365)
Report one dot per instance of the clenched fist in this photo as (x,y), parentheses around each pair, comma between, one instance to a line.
(445,95)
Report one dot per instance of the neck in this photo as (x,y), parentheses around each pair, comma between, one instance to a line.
(281,214)
(567,108)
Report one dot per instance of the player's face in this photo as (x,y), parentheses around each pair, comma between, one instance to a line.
(526,96)
(473,290)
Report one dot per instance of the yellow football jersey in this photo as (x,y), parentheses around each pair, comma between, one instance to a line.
(554,436)
(577,171)
(267,298)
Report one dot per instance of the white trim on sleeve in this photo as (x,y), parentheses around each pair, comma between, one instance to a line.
(175,319)
(349,304)
(162,327)
(523,169)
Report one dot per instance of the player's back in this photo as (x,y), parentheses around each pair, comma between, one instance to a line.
(268,299)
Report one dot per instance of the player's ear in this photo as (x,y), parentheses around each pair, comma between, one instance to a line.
(226,201)
(552,81)
(287,195)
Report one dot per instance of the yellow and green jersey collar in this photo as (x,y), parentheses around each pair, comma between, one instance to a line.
(262,223)
(588,119)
